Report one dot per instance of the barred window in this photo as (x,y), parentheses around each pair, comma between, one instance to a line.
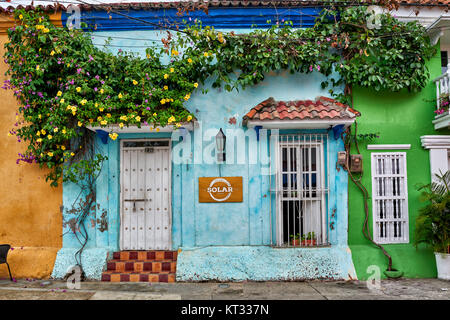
(302,190)
(390,197)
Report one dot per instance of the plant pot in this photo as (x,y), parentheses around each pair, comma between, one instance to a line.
(295,242)
(443,265)
(308,242)
(393,273)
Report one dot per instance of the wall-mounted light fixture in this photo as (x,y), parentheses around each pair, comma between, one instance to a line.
(220,146)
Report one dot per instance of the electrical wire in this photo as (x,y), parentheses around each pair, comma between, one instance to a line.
(358,183)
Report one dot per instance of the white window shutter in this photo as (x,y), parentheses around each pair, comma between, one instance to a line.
(390,197)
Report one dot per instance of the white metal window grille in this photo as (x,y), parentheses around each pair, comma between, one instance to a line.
(390,197)
(302,190)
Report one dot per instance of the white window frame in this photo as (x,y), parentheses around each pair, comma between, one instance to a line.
(304,141)
(387,189)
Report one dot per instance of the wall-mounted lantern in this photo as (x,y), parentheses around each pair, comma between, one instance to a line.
(220,146)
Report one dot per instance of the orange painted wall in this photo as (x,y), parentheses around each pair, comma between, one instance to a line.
(30,217)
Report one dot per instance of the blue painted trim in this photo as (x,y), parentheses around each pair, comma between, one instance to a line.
(225,18)
(103,135)
(337,130)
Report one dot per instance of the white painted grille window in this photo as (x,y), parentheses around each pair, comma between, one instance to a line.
(302,190)
(390,197)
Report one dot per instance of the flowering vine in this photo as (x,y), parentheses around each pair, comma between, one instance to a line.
(64,83)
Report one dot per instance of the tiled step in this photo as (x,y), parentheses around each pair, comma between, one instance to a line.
(140,266)
(138,277)
(145,255)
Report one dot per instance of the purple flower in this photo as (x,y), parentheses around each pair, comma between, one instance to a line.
(78,70)
(310,68)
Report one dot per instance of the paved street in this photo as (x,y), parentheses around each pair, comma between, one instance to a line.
(403,289)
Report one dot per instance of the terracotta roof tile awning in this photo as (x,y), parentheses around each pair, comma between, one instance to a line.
(321,112)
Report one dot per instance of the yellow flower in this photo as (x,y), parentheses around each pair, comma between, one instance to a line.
(39,116)
(205,54)
(63,131)
(99,118)
(120,96)
(50,154)
(39,140)
(190,60)
(186,97)
(138,119)
(172,69)
(38,133)
(80,123)
(91,120)
(45,30)
(113,136)
(174,52)
(163,101)
(148,56)
(96,104)
(101,109)
(189,118)
(103,122)
(178,125)
(63,148)
(20,17)
(49,137)
(121,125)
(171,119)
(59,94)
(166,88)
(55,130)
(166,76)
(155,114)
(108,115)
(157,129)
(195,85)
(52,53)
(37,67)
(72,154)
(83,102)
(101,90)
(62,100)
(135,82)
(78,89)
(43,131)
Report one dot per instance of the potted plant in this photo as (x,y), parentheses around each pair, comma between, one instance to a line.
(433,222)
(295,239)
(309,239)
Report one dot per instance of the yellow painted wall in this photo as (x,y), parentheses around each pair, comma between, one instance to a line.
(30,217)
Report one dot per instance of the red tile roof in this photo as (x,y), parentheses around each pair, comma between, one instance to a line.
(119,5)
(322,108)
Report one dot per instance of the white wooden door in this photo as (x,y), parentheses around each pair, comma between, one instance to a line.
(145,195)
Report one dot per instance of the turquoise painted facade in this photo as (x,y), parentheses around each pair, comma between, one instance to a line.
(218,241)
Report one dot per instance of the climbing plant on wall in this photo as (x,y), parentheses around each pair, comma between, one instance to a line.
(64,83)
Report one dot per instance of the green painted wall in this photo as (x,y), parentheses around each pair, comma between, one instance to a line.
(400,118)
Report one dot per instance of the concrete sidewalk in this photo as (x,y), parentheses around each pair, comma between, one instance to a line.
(401,289)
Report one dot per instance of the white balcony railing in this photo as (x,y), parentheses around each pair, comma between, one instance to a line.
(442,118)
